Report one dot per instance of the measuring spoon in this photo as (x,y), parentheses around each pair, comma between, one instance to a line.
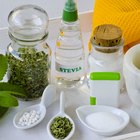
(61,114)
(48,98)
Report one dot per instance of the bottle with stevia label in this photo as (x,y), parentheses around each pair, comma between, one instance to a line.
(69,52)
(28,54)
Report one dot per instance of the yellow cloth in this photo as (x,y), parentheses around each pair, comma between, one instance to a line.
(123,13)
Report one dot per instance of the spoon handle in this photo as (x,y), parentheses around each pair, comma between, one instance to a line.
(49,95)
(62,102)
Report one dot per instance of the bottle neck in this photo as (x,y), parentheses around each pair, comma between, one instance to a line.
(107,53)
(70,23)
(27,42)
(70,26)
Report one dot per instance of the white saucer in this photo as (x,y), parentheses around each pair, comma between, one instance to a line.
(84,111)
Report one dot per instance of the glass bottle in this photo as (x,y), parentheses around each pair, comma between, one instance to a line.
(28,53)
(69,52)
(106,54)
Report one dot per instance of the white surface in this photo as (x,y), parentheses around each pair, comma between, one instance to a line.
(75,98)
(122,117)
(61,114)
(54,8)
(130,136)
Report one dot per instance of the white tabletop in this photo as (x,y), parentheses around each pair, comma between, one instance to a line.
(74,99)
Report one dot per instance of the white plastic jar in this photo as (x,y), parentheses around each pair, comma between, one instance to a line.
(105,58)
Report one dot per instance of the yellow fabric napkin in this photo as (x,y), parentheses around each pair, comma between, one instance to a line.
(123,13)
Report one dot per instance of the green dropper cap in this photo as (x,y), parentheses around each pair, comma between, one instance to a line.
(70,13)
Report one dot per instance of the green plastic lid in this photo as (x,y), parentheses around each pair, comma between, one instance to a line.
(104,76)
(70,13)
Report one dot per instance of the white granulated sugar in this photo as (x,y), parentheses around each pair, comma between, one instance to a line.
(105,121)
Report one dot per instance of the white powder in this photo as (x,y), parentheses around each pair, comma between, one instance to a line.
(103,121)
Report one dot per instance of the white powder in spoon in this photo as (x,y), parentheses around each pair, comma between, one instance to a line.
(103,121)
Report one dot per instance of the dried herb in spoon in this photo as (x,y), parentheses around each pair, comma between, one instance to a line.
(61,127)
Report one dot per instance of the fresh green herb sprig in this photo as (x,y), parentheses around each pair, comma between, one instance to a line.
(31,73)
(61,127)
(7,91)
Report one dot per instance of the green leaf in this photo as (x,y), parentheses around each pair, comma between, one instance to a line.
(3,110)
(10,87)
(3,66)
(12,93)
(6,100)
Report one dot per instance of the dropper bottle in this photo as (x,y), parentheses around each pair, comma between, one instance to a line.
(69,52)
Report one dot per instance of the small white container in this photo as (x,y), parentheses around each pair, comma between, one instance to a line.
(105,88)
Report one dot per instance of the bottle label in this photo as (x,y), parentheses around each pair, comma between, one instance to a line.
(70,70)
(58,44)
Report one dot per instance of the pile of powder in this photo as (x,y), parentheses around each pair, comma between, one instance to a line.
(105,121)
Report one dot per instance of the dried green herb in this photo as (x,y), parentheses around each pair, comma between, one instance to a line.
(61,127)
(31,73)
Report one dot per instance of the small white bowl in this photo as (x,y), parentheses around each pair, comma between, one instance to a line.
(84,111)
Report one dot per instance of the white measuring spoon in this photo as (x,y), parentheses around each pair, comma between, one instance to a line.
(61,114)
(48,98)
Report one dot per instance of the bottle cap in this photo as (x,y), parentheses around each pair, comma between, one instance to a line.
(70,13)
(106,35)
(28,23)
(107,38)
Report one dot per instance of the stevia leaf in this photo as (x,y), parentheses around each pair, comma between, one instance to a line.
(6,100)
(12,93)
(9,87)
(3,110)
(3,66)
